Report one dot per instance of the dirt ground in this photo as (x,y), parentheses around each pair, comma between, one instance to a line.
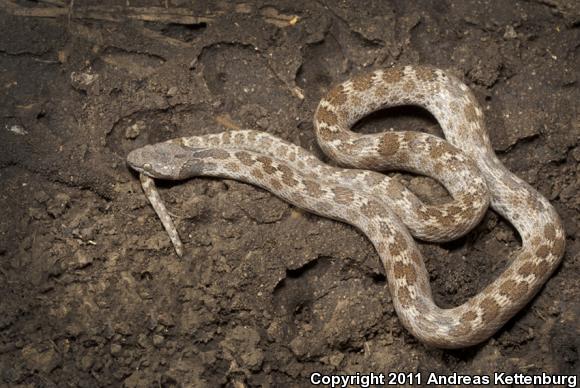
(92,293)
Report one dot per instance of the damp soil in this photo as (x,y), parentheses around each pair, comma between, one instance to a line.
(91,291)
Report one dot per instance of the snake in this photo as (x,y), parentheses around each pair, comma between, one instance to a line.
(354,189)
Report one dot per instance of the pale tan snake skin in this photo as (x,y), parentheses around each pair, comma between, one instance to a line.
(380,207)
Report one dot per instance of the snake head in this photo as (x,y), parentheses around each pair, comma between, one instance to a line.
(167,160)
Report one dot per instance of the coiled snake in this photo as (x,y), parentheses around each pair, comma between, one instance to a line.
(386,212)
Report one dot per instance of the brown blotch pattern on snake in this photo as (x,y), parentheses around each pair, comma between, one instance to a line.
(287,175)
(325,133)
(214,153)
(239,138)
(245,158)
(362,82)
(490,309)
(346,147)
(559,246)
(395,190)
(233,166)
(425,74)
(312,188)
(550,232)
(372,179)
(469,112)
(385,228)
(371,209)
(252,136)
(461,330)
(513,289)
(440,148)
(391,76)
(469,316)
(337,96)
(389,145)
(465,323)
(542,268)
(407,271)
(257,173)
(409,87)
(444,219)
(415,257)
(267,165)
(326,116)
(543,251)
(214,141)
(404,296)
(276,184)
(343,195)
(537,269)
(398,245)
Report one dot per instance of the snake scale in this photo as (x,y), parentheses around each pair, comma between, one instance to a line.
(384,210)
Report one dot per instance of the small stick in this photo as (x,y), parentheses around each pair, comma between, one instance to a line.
(112,14)
(152,194)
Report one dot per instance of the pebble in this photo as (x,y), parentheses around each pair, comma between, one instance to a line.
(86,362)
(57,205)
(133,131)
(116,349)
(158,340)
(41,358)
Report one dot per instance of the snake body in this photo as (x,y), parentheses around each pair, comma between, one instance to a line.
(387,213)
